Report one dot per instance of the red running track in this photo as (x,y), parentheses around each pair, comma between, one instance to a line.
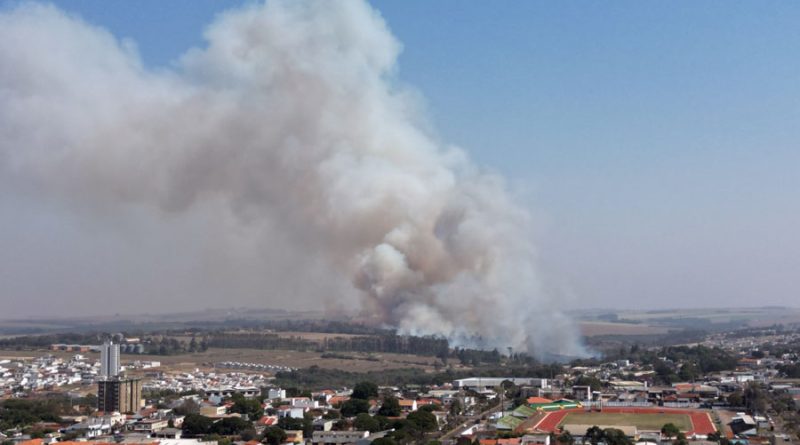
(702,424)
(551,420)
(701,420)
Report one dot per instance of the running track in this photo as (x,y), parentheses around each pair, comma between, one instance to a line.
(701,420)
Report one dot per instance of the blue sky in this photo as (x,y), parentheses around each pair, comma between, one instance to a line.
(657,142)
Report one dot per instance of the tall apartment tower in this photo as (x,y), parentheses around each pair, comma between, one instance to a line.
(109,360)
(120,395)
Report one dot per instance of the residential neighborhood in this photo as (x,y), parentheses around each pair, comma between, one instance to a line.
(738,387)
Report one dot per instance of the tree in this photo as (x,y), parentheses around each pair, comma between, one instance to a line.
(248,435)
(384,441)
(423,420)
(89,400)
(565,438)
(431,407)
(736,399)
(383,422)
(592,382)
(332,414)
(353,407)
(390,407)
(195,424)
(790,371)
(290,423)
(455,408)
(614,436)
(670,430)
(230,426)
(366,422)
(680,440)
(365,390)
(688,372)
(594,434)
(715,436)
(754,398)
(664,372)
(274,435)
(250,407)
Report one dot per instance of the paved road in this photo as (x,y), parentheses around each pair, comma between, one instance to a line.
(468,422)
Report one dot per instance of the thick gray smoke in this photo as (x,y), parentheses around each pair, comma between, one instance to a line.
(288,122)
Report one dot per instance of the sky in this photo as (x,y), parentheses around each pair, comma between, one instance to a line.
(655,143)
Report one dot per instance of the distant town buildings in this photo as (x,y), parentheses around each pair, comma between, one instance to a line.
(109,359)
(119,394)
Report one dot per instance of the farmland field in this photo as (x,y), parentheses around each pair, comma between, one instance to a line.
(650,422)
(595,328)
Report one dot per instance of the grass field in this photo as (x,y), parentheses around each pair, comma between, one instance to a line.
(650,422)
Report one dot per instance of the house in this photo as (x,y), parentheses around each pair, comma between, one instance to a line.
(481,384)
(168,433)
(266,421)
(150,425)
(177,421)
(291,411)
(303,402)
(322,424)
(93,427)
(337,437)
(744,425)
(276,393)
(323,396)
(337,400)
(535,439)
(507,441)
(213,411)
(407,405)
(294,436)
(581,392)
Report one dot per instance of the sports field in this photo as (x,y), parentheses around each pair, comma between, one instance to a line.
(648,422)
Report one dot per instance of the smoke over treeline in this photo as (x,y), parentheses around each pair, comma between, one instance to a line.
(290,134)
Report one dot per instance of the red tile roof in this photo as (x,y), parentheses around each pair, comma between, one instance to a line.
(338,399)
(267,420)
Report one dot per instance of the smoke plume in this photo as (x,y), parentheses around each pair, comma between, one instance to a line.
(288,127)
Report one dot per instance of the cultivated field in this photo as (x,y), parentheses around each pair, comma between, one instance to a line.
(649,422)
(595,328)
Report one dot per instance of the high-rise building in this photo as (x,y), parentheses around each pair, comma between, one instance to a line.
(121,395)
(109,359)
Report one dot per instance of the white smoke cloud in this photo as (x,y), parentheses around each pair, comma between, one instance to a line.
(289,125)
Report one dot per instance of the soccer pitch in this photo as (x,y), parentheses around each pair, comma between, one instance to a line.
(649,422)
